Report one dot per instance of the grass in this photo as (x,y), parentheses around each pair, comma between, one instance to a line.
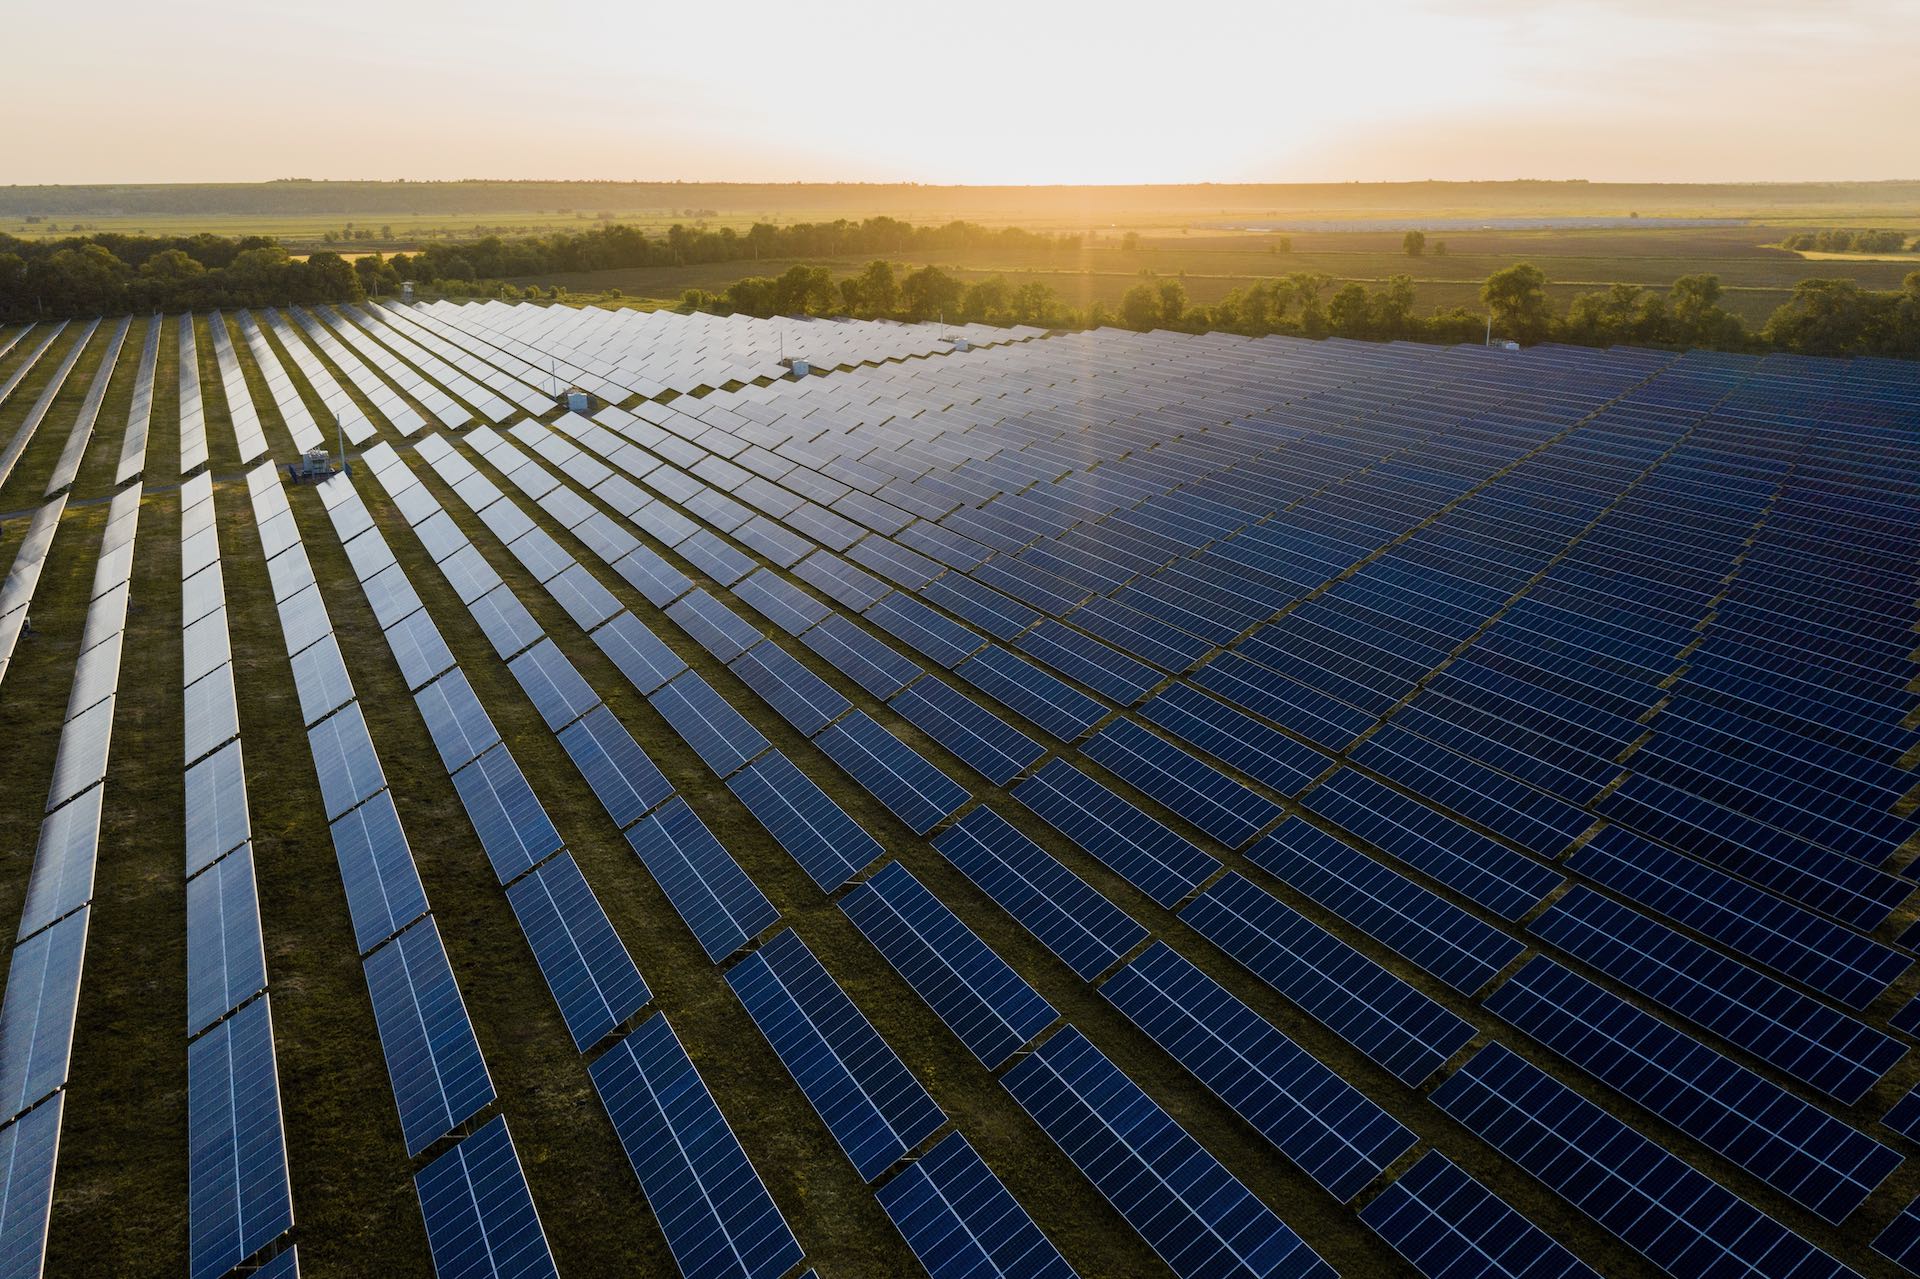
(120,1197)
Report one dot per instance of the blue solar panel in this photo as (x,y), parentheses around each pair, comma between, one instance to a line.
(238,1196)
(1446,1224)
(980,739)
(780,601)
(719,1220)
(1058,710)
(841,581)
(979,606)
(1466,861)
(1194,1213)
(419,648)
(1068,916)
(1332,1131)
(626,782)
(383,887)
(863,659)
(1454,946)
(508,625)
(653,577)
(1530,818)
(1385,1018)
(343,756)
(1327,723)
(892,772)
(934,636)
(439,1080)
(1837,961)
(1800,1150)
(1161,864)
(513,828)
(28,1148)
(816,832)
(984,1002)
(587,968)
(1087,661)
(871,1103)
(962,1223)
(642,656)
(706,721)
(795,693)
(36,1017)
(719,902)
(1900,1241)
(1825,1049)
(586,601)
(1147,638)
(455,719)
(1678,1218)
(1262,753)
(711,554)
(481,1222)
(713,626)
(556,688)
(226,964)
(1191,788)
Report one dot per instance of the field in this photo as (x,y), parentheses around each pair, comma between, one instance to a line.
(122,1183)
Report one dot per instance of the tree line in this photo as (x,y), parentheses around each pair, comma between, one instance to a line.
(1835,240)
(112,273)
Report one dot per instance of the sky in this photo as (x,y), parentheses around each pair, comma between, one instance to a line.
(987,91)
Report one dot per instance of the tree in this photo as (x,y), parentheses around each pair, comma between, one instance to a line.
(1393,308)
(985,300)
(874,291)
(1173,301)
(1306,286)
(1130,242)
(1696,318)
(1517,297)
(171,266)
(376,275)
(930,293)
(1413,243)
(1140,307)
(1834,317)
(1350,312)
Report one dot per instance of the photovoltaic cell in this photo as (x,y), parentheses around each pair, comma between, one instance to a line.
(1446,1224)
(238,1196)
(226,961)
(984,1002)
(376,867)
(1134,846)
(816,832)
(1059,711)
(28,1148)
(706,721)
(642,656)
(795,693)
(962,1223)
(863,659)
(36,1015)
(433,1060)
(871,1102)
(513,828)
(980,739)
(481,1222)
(892,772)
(1191,788)
(624,780)
(1194,1213)
(719,1220)
(722,906)
(592,977)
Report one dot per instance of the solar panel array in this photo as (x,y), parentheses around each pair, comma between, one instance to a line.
(1427,755)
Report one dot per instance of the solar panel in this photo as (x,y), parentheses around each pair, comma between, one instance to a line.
(718,1218)
(712,555)
(979,606)
(1814,1159)
(719,902)
(1134,846)
(216,804)
(1403,1030)
(780,601)
(1189,787)
(706,721)
(642,656)
(63,863)
(980,739)
(376,867)
(624,780)
(418,648)
(713,626)
(320,679)
(211,715)
(892,772)
(1827,1050)
(1087,661)
(1678,1218)
(391,595)
(816,832)
(343,755)
(1417,924)
(1059,711)
(433,1061)
(1331,1130)
(592,977)
(795,693)
(1445,1224)
(586,601)
(652,576)
(555,687)
(238,1196)
(961,1222)
(871,1103)
(481,1222)
(834,577)
(36,1015)
(987,1005)
(508,625)
(226,961)
(1068,916)
(1195,1214)
(1900,1241)
(455,720)
(935,637)
(513,828)
(863,659)
(28,1148)
(1464,860)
